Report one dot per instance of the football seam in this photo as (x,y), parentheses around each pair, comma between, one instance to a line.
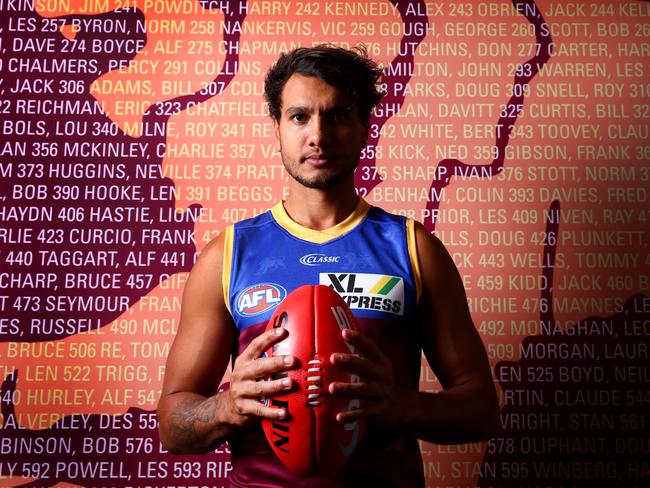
(314,380)
(315,366)
(315,431)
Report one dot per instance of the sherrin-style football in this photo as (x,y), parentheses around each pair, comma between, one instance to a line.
(310,441)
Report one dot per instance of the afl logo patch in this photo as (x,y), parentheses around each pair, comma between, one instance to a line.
(257,299)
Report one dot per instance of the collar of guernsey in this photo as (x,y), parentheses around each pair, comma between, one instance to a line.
(318,237)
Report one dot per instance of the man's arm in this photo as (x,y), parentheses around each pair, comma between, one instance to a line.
(467,409)
(193,416)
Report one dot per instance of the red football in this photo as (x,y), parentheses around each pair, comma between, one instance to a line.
(310,441)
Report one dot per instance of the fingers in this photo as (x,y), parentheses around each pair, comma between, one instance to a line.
(373,400)
(250,366)
(352,415)
(365,344)
(263,342)
(362,409)
(260,389)
(255,408)
(263,367)
(355,364)
(248,380)
(376,388)
(364,391)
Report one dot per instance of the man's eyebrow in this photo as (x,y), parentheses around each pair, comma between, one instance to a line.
(342,108)
(296,109)
(303,109)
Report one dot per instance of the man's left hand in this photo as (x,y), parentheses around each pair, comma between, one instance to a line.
(376,388)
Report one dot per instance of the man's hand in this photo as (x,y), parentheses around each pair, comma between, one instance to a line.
(376,388)
(247,385)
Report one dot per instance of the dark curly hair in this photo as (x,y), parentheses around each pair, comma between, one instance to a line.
(351,71)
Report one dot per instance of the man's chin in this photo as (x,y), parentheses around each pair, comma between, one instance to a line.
(322,182)
(316,184)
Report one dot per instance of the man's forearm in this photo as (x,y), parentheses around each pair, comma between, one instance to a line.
(191,423)
(466,413)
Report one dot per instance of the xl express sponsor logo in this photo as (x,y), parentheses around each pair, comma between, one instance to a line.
(318,259)
(365,291)
(259,298)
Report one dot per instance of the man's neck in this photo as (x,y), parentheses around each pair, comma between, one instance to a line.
(320,209)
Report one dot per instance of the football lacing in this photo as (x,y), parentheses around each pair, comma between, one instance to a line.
(315,382)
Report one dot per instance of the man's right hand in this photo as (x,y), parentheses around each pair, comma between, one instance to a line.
(248,385)
(192,417)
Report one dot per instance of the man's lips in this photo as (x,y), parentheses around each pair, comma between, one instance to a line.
(318,158)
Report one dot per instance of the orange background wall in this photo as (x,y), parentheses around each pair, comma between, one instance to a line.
(555,240)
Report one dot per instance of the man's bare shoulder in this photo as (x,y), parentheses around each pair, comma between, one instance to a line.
(423,233)
(430,248)
(440,276)
(204,282)
(211,256)
(212,253)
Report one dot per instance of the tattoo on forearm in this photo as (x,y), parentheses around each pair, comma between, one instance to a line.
(185,422)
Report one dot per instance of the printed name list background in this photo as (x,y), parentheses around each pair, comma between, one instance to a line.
(517,132)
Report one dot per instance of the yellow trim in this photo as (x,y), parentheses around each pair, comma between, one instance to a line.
(319,236)
(228,239)
(413,256)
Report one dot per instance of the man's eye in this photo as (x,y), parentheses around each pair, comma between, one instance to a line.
(340,115)
(299,117)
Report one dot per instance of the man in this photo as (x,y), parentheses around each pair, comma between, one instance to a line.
(320,100)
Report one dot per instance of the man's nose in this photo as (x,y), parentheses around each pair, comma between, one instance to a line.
(319,131)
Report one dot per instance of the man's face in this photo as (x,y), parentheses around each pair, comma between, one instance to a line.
(321,135)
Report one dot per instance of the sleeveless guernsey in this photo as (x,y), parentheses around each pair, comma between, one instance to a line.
(370,260)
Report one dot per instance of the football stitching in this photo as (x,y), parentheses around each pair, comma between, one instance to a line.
(315,380)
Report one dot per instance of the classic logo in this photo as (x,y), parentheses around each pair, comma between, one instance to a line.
(317,259)
(259,298)
(364,291)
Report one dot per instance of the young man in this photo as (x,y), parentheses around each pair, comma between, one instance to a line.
(321,100)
